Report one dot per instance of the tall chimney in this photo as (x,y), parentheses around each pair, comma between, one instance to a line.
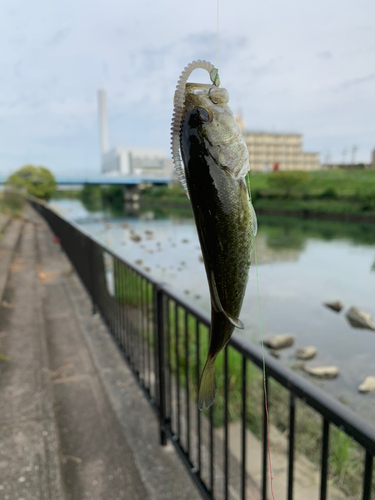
(103,125)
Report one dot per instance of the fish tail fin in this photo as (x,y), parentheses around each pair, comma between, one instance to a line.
(207,386)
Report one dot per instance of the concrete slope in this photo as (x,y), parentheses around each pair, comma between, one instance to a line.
(108,431)
(29,448)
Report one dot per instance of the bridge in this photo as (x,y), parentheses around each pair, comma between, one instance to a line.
(106,180)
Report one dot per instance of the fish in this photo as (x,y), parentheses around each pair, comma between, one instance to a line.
(216,165)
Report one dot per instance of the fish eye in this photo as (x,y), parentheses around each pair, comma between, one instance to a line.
(204,115)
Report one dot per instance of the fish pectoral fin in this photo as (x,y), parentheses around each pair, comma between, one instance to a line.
(254,221)
(235,321)
(216,302)
(228,171)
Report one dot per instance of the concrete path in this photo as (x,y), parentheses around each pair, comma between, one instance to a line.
(73,422)
(29,457)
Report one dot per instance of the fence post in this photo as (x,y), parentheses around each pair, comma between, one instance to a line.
(92,277)
(161,364)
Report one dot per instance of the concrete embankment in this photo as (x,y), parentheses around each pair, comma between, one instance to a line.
(73,422)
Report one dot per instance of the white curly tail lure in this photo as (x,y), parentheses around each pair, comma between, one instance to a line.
(179,103)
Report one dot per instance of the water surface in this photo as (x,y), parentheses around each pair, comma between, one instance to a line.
(301,263)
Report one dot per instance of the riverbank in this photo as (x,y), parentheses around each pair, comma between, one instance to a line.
(329,195)
(318,211)
(170,248)
(347,195)
(11,204)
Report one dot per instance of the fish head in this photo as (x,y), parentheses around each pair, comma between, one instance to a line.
(208,108)
(209,117)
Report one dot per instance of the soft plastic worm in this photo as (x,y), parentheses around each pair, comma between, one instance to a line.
(179,103)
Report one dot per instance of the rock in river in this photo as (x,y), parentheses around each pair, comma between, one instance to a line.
(322,371)
(368,385)
(279,341)
(360,319)
(337,305)
(306,352)
(135,237)
(275,353)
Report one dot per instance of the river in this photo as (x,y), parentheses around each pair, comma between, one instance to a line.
(301,264)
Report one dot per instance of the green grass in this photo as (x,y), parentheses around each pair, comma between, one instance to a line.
(293,231)
(337,191)
(173,195)
(62,194)
(131,289)
(344,182)
(11,203)
(178,364)
(313,205)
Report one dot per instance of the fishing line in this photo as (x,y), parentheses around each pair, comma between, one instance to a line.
(217,36)
(263,358)
(264,374)
(258,294)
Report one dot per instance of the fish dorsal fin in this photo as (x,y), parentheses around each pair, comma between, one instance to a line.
(216,302)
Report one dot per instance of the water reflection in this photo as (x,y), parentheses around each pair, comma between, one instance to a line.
(302,263)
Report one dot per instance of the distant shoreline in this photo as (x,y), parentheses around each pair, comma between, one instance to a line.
(310,214)
(301,214)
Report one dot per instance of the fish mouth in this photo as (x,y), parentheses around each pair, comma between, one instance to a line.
(206,93)
(198,88)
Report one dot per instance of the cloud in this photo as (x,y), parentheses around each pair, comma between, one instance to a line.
(58,37)
(326,54)
(283,70)
(357,81)
(17,68)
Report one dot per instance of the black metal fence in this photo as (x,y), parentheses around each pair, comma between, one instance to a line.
(165,340)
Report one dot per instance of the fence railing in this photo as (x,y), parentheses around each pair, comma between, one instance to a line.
(164,339)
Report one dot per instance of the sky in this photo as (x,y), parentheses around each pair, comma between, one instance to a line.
(288,65)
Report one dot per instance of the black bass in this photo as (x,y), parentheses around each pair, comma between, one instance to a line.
(216,163)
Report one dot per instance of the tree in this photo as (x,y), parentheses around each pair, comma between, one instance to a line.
(38,181)
(287,180)
(91,197)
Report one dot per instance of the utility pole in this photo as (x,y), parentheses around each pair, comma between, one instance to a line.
(354,150)
(328,157)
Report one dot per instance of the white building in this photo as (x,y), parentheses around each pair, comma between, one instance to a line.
(148,162)
(273,151)
(129,161)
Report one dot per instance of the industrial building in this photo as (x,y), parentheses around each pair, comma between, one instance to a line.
(144,162)
(129,161)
